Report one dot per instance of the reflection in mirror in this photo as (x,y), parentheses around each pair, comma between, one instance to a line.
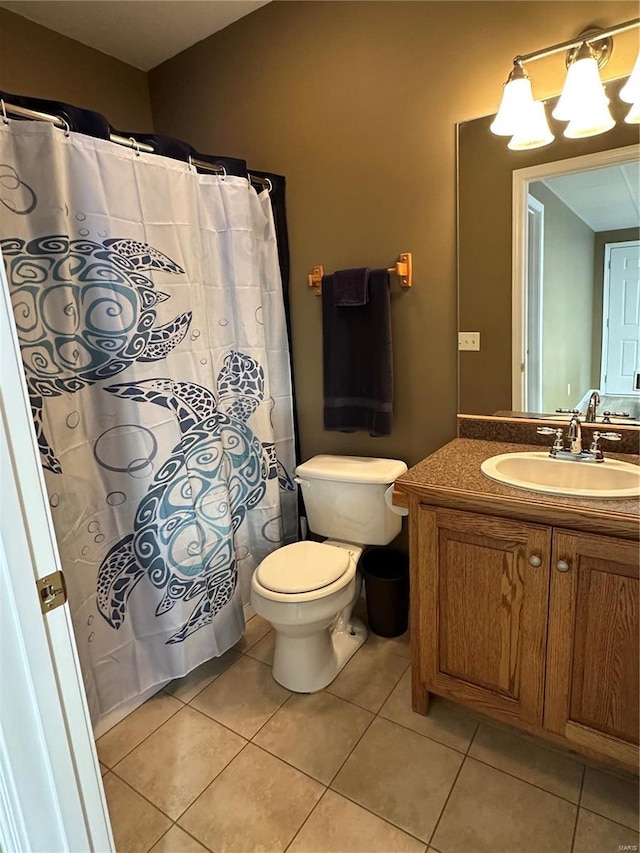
(576,285)
(561,321)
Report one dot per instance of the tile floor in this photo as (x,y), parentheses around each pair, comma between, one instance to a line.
(226,760)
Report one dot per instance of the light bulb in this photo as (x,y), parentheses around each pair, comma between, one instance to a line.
(590,122)
(582,88)
(516,101)
(630,92)
(633,116)
(533,131)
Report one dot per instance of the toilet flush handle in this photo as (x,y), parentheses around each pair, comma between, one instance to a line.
(301,481)
(388,499)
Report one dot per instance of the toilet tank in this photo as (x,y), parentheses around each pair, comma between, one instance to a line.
(344,497)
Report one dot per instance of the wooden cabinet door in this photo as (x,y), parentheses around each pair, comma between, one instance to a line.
(592,659)
(480,611)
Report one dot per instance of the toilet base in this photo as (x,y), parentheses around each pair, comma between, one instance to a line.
(306,664)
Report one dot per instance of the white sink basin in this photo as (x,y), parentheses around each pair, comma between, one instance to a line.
(539,472)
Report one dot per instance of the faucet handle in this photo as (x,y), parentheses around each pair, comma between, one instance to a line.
(608,415)
(558,444)
(595,439)
(568,411)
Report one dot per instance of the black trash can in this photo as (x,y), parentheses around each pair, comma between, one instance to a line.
(386,581)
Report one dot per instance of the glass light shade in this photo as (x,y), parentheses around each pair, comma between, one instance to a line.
(591,121)
(630,92)
(633,116)
(582,89)
(533,131)
(517,99)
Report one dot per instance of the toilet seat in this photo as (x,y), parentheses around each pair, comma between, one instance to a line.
(302,567)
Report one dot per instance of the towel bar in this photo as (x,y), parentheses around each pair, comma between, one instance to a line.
(403,268)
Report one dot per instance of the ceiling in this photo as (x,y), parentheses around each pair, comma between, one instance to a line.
(142,33)
(605,199)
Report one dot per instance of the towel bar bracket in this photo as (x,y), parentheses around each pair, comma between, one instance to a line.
(403,268)
(315,279)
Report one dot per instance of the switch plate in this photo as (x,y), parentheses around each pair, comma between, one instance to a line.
(468,340)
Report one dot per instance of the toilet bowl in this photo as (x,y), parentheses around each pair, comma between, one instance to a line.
(310,610)
(307,590)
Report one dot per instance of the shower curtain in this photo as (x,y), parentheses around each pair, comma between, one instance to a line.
(148,304)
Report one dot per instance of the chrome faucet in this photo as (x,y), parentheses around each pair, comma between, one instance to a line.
(575,435)
(574,451)
(592,408)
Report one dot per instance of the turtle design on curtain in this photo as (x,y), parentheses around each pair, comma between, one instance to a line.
(217,472)
(85,312)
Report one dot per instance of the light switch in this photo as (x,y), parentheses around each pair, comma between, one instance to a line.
(468,340)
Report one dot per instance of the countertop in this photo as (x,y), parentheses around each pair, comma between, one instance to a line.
(451,477)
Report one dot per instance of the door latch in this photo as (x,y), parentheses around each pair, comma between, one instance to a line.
(52,591)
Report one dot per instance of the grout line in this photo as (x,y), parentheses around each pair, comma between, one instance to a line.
(144,738)
(161,837)
(611,820)
(524,781)
(302,825)
(426,737)
(143,796)
(446,802)
(186,832)
(575,823)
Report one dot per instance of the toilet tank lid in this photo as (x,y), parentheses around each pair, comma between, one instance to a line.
(352,469)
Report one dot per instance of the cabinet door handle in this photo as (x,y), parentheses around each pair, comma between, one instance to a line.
(562,566)
(535,561)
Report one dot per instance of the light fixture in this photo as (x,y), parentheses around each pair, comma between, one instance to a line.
(533,131)
(517,99)
(583,88)
(583,102)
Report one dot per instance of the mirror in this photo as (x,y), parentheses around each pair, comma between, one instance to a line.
(566,363)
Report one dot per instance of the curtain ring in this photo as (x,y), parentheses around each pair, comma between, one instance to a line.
(67,129)
(223,176)
(135,145)
(190,160)
(270,185)
(5,119)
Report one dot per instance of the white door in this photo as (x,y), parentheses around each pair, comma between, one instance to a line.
(621,319)
(51,795)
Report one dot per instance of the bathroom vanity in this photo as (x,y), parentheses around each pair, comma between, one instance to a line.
(525,606)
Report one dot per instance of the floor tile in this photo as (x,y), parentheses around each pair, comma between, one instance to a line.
(103,769)
(369,677)
(491,812)
(254,630)
(190,685)
(264,648)
(136,824)
(400,776)
(446,722)
(528,759)
(337,825)
(242,698)
(611,796)
(257,803)
(177,762)
(398,645)
(177,841)
(596,834)
(315,733)
(121,739)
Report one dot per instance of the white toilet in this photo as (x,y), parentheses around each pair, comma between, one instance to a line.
(307,590)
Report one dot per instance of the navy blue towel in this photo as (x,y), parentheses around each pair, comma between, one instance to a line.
(351,287)
(357,359)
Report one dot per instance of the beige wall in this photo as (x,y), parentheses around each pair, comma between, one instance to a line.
(38,62)
(567,303)
(356,103)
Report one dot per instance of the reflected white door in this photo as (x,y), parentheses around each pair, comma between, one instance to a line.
(621,314)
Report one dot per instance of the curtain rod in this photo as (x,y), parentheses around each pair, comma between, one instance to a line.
(127,142)
(576,42)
